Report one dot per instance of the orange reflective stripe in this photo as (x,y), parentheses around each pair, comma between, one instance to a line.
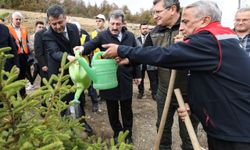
(23,37)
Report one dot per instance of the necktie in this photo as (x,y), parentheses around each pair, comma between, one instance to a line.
(143,40)
(65,35)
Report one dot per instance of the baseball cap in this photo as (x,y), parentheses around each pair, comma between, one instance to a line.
(100,16)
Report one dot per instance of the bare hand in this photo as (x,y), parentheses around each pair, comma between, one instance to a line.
(123,61)
(111,50)
(71,58)
(178,38)
(183,112)
(45,68)
(17,70)
(137,81)
(78,48)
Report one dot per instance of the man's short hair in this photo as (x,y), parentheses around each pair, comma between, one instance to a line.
(55,11)
(16,14)
(39,22)
(244,9)
(117,14)
(206,8)
(2,19)
(169,3)
(143,23)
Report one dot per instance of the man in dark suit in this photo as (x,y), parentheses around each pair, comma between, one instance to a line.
(59,38)
(7,41)
(118,99)
(151,70)
(41,54)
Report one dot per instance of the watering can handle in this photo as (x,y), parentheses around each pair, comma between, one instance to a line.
(77,54)
(97,55)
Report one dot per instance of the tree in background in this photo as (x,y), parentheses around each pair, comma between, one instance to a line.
(77,8)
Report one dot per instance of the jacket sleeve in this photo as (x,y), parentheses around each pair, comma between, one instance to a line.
(92,45)
(136,67)
(200,52)
(148,41)
(53,49)
(39,49)
(14,51)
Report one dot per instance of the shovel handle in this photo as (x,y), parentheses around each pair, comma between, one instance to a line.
(188,122)
(165,110)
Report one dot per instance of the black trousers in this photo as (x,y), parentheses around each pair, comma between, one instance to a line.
(23,70)
(93,94)
(216,144)
(80,111)
(153,80)
(126,114)
(42,75)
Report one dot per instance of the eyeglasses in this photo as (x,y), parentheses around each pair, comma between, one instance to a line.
(158,12)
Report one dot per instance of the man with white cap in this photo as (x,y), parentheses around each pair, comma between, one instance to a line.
(100,23)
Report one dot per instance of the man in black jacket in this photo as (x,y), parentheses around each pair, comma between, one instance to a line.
(59,38)
(7,41)
(151,70)
(41,54)
(219,86)
(167,15)
(121,95)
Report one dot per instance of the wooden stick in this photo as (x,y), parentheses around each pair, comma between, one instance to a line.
(165,110)
(188,122)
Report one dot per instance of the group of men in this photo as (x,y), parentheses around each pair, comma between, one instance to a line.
(217,63)
(212,63)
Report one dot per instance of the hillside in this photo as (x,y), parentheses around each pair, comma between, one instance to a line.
(31,17)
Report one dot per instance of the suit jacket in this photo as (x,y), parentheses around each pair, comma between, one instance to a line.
(6,40)
(56,44)
(40,52)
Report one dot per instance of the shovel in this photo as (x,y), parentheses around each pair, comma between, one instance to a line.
(188,122)
(165,110)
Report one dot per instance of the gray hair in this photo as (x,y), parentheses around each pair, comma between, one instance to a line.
(206,8)
(168,3)
(16,14)
(244,9)
(117,14)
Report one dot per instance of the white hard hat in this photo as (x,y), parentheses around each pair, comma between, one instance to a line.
(100,16)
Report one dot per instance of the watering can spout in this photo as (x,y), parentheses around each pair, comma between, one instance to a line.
(86,67)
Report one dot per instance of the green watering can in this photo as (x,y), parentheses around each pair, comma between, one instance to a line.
(103,71)
(80,78)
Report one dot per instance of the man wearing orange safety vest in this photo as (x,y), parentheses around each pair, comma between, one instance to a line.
(20,36)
